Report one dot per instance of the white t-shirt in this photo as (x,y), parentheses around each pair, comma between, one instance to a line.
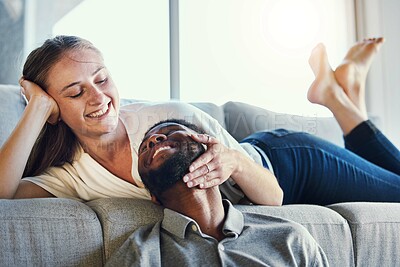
(86,180)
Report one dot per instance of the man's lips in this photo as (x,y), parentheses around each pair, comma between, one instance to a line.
(160,149)
(157,150)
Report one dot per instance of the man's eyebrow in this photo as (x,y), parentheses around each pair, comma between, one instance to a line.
(75,83)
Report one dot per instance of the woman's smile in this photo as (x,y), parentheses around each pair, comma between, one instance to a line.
(99,114)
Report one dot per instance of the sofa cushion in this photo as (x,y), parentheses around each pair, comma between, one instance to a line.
(325,225)
(120,217)
(242,119)
(49,232)
(12,106)
(375,229)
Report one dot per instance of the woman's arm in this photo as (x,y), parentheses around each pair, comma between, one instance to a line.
(219,163)
(15,151)
(257,183)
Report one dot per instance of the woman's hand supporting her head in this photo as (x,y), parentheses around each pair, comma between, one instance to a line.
(219,163)
(33,92)
(15,151)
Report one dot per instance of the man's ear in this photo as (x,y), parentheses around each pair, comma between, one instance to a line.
(155,200)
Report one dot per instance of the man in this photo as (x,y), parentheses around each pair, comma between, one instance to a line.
(199,228)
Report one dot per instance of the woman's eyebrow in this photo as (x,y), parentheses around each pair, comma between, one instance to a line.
(69,85)
(75,83)
(97,70)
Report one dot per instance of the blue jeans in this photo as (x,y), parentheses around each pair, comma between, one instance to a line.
(311,170)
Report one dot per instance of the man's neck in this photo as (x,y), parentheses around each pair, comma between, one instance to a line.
(204,206)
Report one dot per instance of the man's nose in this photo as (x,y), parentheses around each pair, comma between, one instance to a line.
(156,138)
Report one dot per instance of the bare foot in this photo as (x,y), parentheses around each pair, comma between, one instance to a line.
(325,85)
(351,74)
(326,91)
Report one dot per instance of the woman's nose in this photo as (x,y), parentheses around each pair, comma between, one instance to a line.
(96,96)
(155,139)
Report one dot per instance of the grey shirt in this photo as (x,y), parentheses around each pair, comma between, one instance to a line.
(250,240)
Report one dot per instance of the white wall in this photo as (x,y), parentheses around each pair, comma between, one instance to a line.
(381,18)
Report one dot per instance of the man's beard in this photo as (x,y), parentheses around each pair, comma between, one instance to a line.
(174,168)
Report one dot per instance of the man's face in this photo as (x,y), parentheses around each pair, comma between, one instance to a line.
(166,153)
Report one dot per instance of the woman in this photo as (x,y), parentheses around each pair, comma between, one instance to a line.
(88,148)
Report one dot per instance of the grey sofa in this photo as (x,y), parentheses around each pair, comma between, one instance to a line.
(63,232)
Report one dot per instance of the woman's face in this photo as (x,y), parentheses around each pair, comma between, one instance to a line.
(85,93)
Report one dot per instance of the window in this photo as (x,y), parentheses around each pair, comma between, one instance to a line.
(257,51)
(251,51)
(134,39)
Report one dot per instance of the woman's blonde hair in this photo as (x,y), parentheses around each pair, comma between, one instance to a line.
(56,144)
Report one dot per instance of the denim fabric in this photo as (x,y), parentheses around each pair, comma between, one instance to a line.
(368,142)
(311,170)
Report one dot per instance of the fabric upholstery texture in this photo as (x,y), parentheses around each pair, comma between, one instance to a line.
(49,232)
(375,229)
(120,217)
(242,119)
(325,225)
(12,106)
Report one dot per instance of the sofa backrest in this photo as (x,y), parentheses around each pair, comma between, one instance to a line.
(12,106)
(242,119)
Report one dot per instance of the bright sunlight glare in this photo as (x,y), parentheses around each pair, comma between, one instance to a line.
(292,24)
